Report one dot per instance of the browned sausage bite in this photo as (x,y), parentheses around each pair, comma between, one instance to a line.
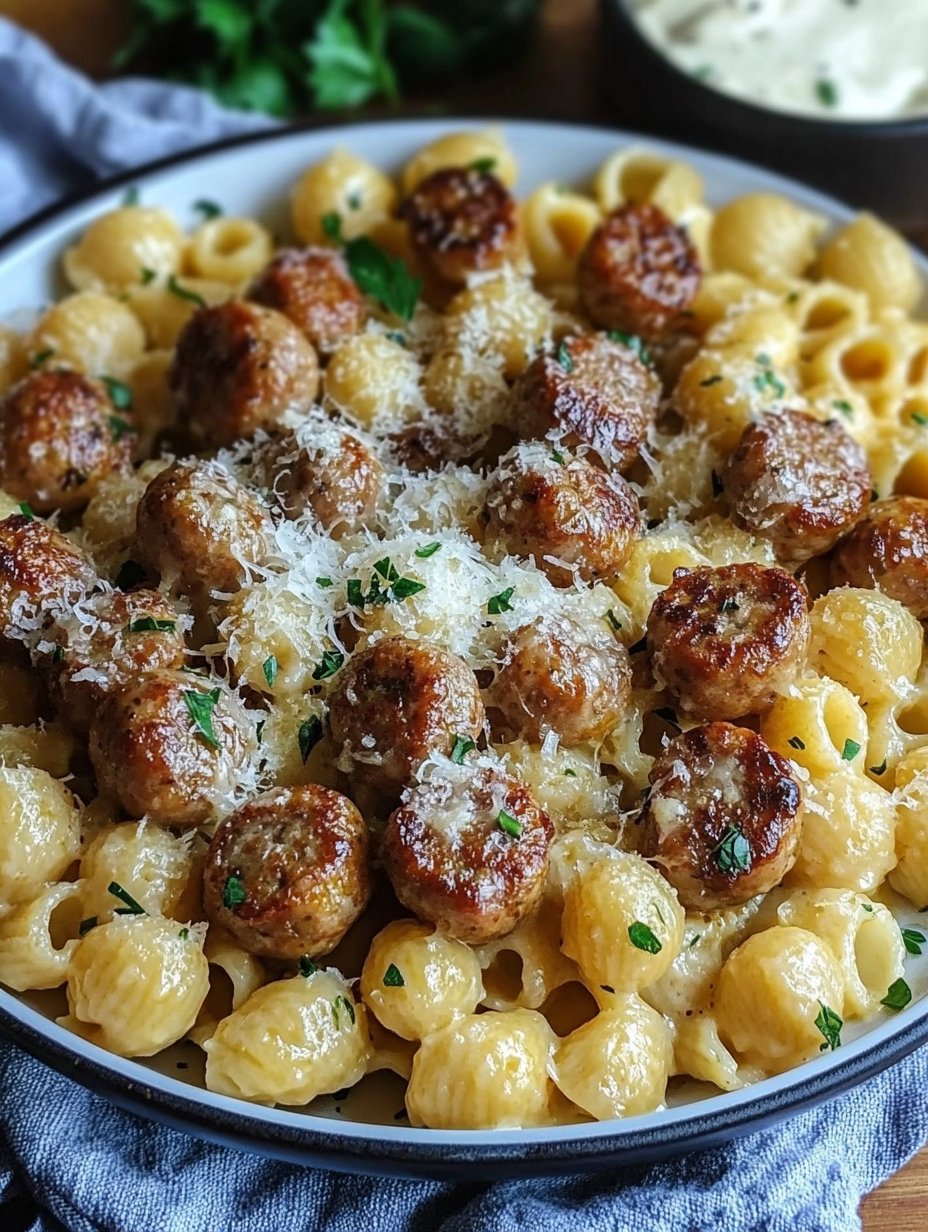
(313,288)
(239,367)
(565,677)
(594,391)
(60,435)
(170,746)
(723,818)
(888,550)
(638,273)
(798,481)
(462,221)
(105,642)
(199,530)
(576,520)
(288,873)
(325,472)
(40,571)
(468,851)
(396,703)
(728,640)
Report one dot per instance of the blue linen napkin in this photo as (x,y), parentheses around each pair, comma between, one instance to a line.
(75,1161)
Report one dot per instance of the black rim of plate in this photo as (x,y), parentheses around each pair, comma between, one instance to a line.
(499,1153)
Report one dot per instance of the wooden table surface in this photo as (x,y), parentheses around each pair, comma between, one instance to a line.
(557,79)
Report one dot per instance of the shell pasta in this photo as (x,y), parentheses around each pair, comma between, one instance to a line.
(468,632)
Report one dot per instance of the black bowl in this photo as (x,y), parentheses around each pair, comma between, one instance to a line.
(880,165)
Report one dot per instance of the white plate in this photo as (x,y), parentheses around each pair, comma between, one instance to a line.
(254,176)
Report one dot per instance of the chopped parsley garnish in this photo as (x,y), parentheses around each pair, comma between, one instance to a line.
(920,418)
(393,977)
(308,736)
(183,292)
(184,934)
(119,392)
(462,746)
(200,707)
(151,624)
(147,275)
(634,343)
(330,663)
(131,195)
(880,769)
(643,938)
(563,357)
(868,907)
(307,966)
(354,201)
(26,510)
(827,92)
(387,279)
(843,406)
(558,457)
(324,583)
(612,620)
(332,227)
(397,588)
(729,604)
(233,892)
(570,773)
(898,995)
(86,925)
(768,379)
(733,853)
(209,209)
(850,750)
(715,379)
(40,358)
(119,427)
(349,1009)
(132,906)
(913,940)
(269,667)
(500,603)
(608,988)
(694,940)
(58,654)
(483,165)
(429,549)
(508,824)
(795,742)
(829,1024)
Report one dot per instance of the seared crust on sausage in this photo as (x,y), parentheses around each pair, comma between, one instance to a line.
(798,481)
(888,551)
(462,221)
(561,676)
(197,529)
(313,288)
(638,273)
(40,570)
(238,367)
(395,704)
(468,852)
(593,392)
(327,473)
(105,642)
(60,435)
(728,640)
(576,520)
(152,756)
(723,818)
(300,874)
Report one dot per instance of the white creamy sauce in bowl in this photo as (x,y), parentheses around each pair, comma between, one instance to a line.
(835,59)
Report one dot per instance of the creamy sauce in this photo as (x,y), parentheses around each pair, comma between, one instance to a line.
(840,59)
